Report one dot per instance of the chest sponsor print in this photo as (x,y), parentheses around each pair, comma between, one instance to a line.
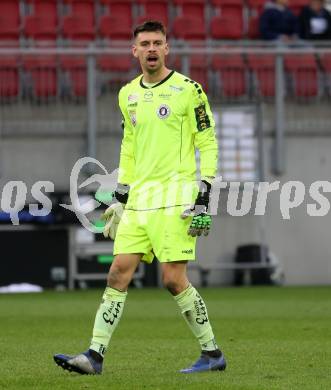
(148,96)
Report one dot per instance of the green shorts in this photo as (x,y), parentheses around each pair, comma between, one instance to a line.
(159,232)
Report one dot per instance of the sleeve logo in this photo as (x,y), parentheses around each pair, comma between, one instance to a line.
(163,111)
(202,118)
(133,117)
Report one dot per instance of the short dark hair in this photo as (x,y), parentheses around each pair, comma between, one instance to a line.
(149,26)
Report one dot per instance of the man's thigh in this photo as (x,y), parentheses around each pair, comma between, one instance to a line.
(132,237)
(169,238)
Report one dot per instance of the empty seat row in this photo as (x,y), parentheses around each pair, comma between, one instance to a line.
(40,76)
(234,76)
(238,76)
(113,19)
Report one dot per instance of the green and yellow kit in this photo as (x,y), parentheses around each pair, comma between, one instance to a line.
(163,126)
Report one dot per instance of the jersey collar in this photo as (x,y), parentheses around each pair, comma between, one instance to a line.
(156,85)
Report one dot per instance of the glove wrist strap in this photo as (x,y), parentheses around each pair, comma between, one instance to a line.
(121,194)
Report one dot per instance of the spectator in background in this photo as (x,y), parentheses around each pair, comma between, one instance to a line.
(315,21)
(278,22)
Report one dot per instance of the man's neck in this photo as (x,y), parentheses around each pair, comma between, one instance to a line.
(155,78)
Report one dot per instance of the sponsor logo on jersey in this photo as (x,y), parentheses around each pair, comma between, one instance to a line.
(133,104)
(133,98)
(163,111)
(177,89)
(188,251)
(148,96)
(166,96)
(202,118)
(133,117)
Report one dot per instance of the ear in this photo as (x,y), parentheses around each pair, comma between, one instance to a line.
(166,49)
(134,51)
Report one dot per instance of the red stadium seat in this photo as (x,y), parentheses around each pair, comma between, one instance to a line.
(256,3)
(9,20)
(74,69)
(79,25)
(231,73)
(263,70)
(190,22)
(326,67)
(9,79)
(43,75)
(119,63)
(228,23)
(255,10)
(42,24)
(296,5)
(198,70)
(191,8)
(189,28)
(117,23)
(154,10)
(304,73)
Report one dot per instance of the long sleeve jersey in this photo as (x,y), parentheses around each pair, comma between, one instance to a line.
(163,125)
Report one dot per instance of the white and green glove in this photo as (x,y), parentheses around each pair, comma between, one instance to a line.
(201,221)
(112,216)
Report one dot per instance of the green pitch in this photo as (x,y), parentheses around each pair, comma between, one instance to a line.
(274,338)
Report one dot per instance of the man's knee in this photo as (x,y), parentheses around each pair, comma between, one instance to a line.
(121,270)
(173,285)
(115,276)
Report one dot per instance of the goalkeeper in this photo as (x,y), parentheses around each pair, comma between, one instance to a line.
(158,207)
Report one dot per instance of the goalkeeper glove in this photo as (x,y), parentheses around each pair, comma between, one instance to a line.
(112,216)
(201,221)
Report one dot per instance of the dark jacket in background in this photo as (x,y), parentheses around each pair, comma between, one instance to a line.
(315,25)
(276,20)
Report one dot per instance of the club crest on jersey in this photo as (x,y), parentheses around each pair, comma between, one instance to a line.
(163,111)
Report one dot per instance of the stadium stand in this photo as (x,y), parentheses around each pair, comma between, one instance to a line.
(303,73)
(262,69)
(326,66)
(231,72)
(190,22)
(74,77)
(9,79)
(42,23)
(80,23)
(41,77)
(228,23)
(296,5)
(116,23)
(255,8)
(157,10)
(9,20)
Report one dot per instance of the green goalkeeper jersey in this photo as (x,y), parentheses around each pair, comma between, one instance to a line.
(163,125)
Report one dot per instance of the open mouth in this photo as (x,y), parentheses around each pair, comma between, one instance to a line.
(152,59)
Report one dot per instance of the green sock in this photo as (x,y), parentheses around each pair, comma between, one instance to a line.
(195,313)
(107,318)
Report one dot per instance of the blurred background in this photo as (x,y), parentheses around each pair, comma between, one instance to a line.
(266,68)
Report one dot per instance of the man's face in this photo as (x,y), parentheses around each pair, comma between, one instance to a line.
(316,5)
(150,48)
